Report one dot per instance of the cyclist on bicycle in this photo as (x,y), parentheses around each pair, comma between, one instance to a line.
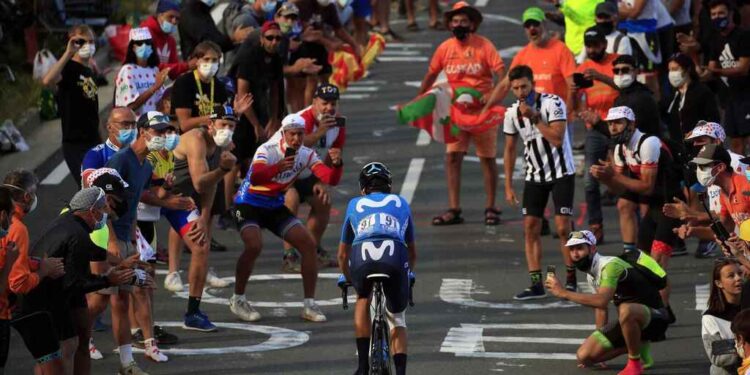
(378,237)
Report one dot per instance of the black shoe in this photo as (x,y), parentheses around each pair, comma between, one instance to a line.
(532,292)
(680,251)
(137,339)
(163,337)
(545,227)
(216,247)
(670,315)
(571,286)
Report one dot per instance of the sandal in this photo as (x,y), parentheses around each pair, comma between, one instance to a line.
(492,216)
(413,27)
(454,218)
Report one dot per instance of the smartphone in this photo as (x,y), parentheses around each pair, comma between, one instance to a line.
(581,81)
(550,271)
(289,152)
(340,122)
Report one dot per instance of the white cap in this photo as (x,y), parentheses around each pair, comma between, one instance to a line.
(140,33)
(711,129)
(581,237)
(622,112)
(292,121)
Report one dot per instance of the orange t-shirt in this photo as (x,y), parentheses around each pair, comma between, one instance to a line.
(21,278)
(737,204)
(551,66)
(600,97)
(471,63)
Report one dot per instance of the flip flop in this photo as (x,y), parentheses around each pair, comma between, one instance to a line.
(492,216)
(455,217)
(412,27)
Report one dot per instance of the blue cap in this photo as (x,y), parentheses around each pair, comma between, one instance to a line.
(166,6)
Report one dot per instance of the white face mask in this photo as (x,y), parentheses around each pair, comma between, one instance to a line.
(676,78)
(87,50)
(740,349)
(156,143)
(207,70)
(623,80)
(223,137)
(705,176)
(324,3)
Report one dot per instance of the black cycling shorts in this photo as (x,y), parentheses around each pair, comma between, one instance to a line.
(35,330)
(389,257)
(278,220)
(535,196)
(304,187)
(654,226)
(653,332)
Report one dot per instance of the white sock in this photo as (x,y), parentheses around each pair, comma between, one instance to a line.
(239,296)
(126,355)
(309,302)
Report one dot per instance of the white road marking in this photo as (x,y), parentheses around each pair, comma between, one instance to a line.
(509,52)
(57,175)
(403,58)
(355,96)
(388,52)
(407,45)
(459,291)
(412,179)
(413,83)
(481,3)
(367,82)
(423,139)
(363,89)
(279,338)
(534,340)
(532,326)
(701,296)
(500,17)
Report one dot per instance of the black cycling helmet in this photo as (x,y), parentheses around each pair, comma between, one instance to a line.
(372,172)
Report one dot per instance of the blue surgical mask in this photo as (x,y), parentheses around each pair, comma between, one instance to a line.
(209,3)
(143,51)
(747,174)
(720,23)
(167,27)
(269,6)
(172,141)
(126,136)
(531,98)
(3,231)
(101,223)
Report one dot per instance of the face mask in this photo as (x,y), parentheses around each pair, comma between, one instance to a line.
(720,23)
(606,27)
(676,78)
(87,50)
(4,229)
(33,204)
(583,264)
(531,98)
(740,349)
(747,174)
(324,3)
(143,51)
(167,27)
(126,136)
(172,141)
(207,70)
(623,80)
(156,143)
(597,56)
(623,137)
(223,137)
(101,223)
(285,27)
(461,32)
(209,3)
(269,6)
(705,177)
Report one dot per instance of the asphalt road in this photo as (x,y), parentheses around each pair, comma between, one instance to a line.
(464,321)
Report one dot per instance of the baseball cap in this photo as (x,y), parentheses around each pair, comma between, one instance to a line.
(624,59)
(606,8)
(87,198)
(224,112)
(166,6)
(594,34)
(712,153)
(533,14)
(108,179)
(581,237)
(327,91)
(269,25)
(622,112)
(292,121)
(140,33)
(154,120)
(287,9)
(711,129)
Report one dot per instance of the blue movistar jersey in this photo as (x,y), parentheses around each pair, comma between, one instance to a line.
(98,156)
(377,216)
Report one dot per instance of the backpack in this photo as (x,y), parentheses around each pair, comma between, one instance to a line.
(647,267)
(231,12)
(674,157)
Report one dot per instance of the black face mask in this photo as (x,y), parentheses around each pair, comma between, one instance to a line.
(606,27)
(584,264)
(597,56)
(623,137)
(461,32)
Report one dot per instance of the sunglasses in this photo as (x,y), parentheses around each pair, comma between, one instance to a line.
(127,124)
(81,42)
(576,235)
(272,38)
(531,23)
(158,120)
(142,42)
(622,70)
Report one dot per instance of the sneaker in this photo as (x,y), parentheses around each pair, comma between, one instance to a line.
(571,286)
(634,367)
(163,337)
(217,247)
(313,314)
(153,353)
(291,262)
(131,369)
(680,250)
(215,281)
(325,260)
(137,339)
(94,353)
(532,292)
(173,282)
(240,307)
(707,249)
(198,322)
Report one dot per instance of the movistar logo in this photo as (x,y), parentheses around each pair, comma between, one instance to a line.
(376,252)
(367,202)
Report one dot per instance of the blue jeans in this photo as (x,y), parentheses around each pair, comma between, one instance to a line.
(595,149)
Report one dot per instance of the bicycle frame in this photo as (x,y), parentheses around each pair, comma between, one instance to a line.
(381,362)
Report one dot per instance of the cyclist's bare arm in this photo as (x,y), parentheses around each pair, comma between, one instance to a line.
(343,258)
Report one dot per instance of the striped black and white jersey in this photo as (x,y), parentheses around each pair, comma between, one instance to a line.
(544,162)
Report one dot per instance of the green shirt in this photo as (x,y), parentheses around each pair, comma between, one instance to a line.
(579,16)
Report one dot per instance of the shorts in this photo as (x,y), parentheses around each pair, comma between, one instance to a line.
(737,116)
(180,220)
(362,8)
(485,143)
(313,51)
(34,329)
(62,320)
(304,187)
(610,336)
(382,256)
(535,197)
(278,220)
(127,249)
(655,235)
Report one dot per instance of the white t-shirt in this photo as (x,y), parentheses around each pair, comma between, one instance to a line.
(132,81)
(646,157)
